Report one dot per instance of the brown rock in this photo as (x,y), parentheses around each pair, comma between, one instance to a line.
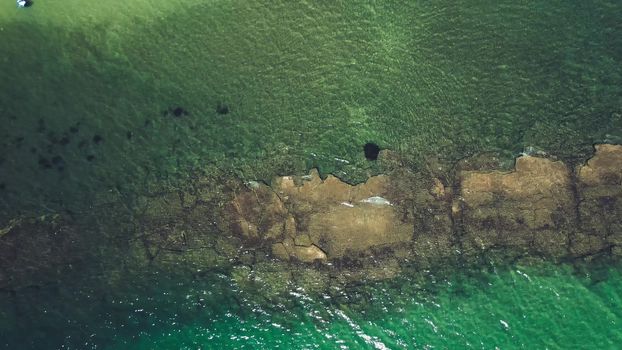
(599,189)
(513,209)
(308,254)
(346,229)
(279,251)
(258,213)
(327,216)
(605,168)
(303,240)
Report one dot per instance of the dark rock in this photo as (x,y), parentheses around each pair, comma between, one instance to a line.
(179,112)
(64,141)
(90,157)
(129,135)
(371,151)
(222,108)
(97,139)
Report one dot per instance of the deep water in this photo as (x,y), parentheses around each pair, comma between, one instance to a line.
(114,99)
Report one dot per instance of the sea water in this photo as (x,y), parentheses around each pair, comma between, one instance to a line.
(507,307)
(87,100)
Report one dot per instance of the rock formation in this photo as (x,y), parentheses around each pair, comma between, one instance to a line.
(530,208)
(599,187)
(307,218)
(541,207)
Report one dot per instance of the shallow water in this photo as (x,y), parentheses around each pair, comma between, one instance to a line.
(86,100)
(543,306)
(306,84)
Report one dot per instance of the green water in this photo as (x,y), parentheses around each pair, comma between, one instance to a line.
(85,93)
(543,306)
(307,84)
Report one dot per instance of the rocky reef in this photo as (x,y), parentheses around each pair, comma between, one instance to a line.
(540,207)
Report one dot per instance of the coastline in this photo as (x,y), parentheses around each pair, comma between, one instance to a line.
(543,209)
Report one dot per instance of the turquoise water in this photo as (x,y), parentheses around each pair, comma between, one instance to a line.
(87,99)
(544,306)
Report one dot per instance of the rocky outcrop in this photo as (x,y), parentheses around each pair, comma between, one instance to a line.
(530,208)
(307,218)
(599,191)
(540,207)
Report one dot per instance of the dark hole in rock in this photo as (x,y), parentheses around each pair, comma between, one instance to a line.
(19,139)
(44,163)
(97,139)
(2,185)
(371,151)
(129,135)
(222,108)
(147,123)
(90,157)
(64,141)
(74,129)
(33,150)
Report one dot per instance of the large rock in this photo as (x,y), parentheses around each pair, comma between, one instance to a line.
(599,184)
(308,219)
(530,208)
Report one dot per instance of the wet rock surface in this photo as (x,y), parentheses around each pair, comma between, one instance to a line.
(540,208)
(308,218)
(599,190)
(530,208)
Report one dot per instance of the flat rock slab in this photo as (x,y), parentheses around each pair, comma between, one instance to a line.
(540,207)
(530,208)
(599,185)
(307,218)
